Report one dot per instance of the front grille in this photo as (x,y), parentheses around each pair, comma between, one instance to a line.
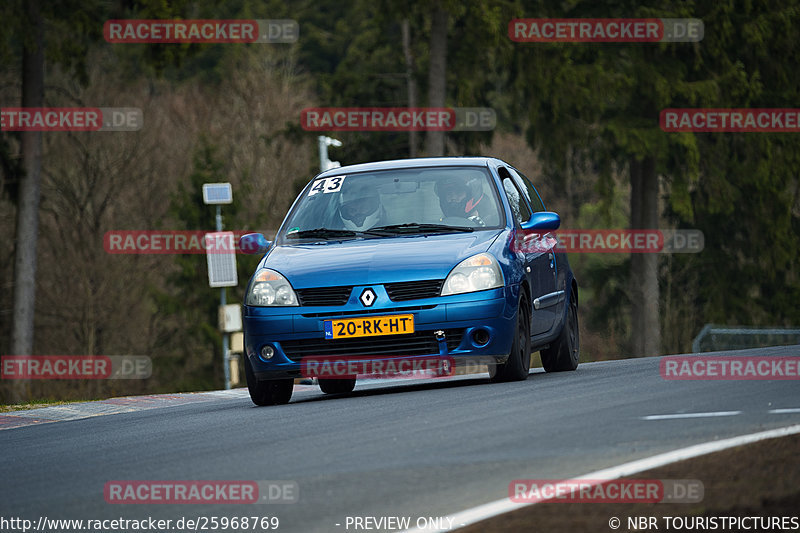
(414,290)
(418,343)
(367,312)
(324,295)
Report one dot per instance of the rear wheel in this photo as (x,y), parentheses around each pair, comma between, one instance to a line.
(269,392)
(564,353)
(337,386)
(518,363)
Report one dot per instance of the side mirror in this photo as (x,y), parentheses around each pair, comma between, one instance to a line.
(253,243)
(543,220)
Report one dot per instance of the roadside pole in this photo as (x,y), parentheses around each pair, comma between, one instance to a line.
(221,261)
(324,162)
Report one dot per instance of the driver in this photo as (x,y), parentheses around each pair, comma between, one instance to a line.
(458,199)
(360,208)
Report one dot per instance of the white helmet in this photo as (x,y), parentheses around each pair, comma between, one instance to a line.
(360,207)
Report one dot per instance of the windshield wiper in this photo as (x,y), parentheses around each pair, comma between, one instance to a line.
(322,233)
(330,233)
(415,227)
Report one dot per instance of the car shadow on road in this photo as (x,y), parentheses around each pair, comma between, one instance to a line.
(393,387)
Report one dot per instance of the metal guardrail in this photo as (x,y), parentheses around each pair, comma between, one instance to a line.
(745,337)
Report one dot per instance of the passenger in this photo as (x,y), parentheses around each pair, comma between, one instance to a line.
(458,200)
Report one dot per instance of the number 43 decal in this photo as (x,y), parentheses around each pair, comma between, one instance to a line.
(326,185)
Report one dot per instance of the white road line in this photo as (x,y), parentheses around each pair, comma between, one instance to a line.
(691,415)
(498,507)
(784,411)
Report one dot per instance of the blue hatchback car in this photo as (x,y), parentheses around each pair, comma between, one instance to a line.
(415,258)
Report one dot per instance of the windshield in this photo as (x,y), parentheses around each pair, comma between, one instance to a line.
(386,202)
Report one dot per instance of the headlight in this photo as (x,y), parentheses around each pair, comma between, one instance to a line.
(270,288)
(476,273)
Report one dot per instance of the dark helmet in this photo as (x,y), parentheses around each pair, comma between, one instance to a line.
(457,197)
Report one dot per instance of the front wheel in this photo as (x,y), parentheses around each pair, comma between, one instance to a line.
(564,353)
(518,363)
(270,392)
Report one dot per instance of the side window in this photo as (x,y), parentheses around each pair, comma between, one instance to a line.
(519,208)
(528,189)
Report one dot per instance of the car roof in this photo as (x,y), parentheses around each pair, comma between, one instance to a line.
(418,162)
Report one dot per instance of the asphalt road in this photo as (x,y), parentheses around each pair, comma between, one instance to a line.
(417,449)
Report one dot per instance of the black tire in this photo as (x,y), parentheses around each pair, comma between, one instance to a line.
(564,354)
(337,386)
(270,392)
(518,363)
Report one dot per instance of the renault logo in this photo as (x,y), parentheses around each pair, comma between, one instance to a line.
(367,297)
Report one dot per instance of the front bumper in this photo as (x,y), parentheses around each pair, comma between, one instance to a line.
(478,328)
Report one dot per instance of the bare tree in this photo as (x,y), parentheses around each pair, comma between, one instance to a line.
(645,318)
(437,74)
(411,83)
(27,230)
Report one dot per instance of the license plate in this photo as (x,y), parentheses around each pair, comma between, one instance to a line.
(369,326)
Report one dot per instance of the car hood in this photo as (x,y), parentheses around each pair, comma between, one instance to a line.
(380,260)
